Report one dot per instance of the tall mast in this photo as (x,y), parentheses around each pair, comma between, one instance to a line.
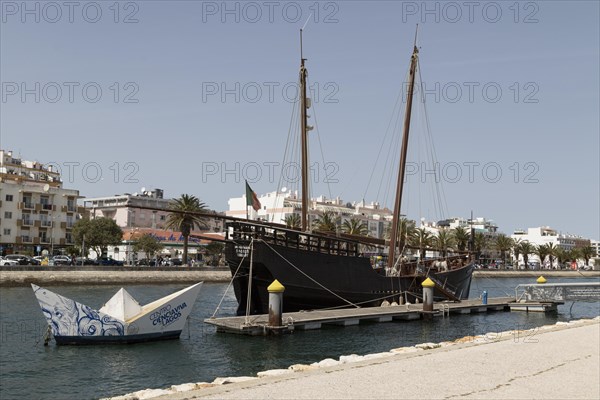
(401,170)
(304,138)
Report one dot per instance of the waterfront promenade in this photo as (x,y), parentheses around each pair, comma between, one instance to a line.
(23,276)
(553,362)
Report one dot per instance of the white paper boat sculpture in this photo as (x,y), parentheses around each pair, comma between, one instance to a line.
(120,320)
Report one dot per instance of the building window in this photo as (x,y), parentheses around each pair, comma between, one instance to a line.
(9,197)
(162,217)
(7,214)
(6,231)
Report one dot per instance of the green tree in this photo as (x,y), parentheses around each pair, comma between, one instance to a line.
(148,244)
(542,252)
(586,253)
(327,222)
(292,221)
(98,234)
(517,251)
(526,248)
(461,238)
(551,253)
(481,244)
(423,239)
(355,226)
(406,230)
(184,217)
(503,244)
(214,251)
(561,256)
(444,241)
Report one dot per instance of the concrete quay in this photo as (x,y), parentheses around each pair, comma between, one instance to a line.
(111,276)
(559,361)
(76,275)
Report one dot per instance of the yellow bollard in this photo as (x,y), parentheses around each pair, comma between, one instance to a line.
(428,286)
(275,290)
(541,279)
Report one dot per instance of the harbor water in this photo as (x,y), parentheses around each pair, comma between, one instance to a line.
(28,369)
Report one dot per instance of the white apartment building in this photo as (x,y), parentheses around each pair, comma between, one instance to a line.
(596,246)
(276,206)
(125,210)
(36,213)
(544,235)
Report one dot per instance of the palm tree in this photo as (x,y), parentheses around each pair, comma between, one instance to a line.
(422,239)
(184,217)
(328,222)
(481,243)
(586,253)
(406,230)
(561,256)
(292,221)
(461,238)
(355,226)
(526,249)
(517,250)
(551,253)
(503,244)
(444,241)
(542,253)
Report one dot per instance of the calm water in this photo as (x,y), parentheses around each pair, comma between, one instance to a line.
(30,370)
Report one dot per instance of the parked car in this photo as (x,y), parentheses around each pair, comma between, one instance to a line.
(7,262)
(22,259)
(175,262)
(109,261)
(145,262)
(85,260)
(61,260)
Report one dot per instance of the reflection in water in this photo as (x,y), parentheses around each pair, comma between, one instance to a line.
(30,370)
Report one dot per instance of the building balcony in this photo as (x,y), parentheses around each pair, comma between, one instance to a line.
(46,224)
(36,240)
(62,241)
(44,239)
(45,207)
(26,239)
(25,222)
(26,205)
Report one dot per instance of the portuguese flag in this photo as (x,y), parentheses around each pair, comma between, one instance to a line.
(251,198)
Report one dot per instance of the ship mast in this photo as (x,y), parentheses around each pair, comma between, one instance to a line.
(409,99)
(304,137)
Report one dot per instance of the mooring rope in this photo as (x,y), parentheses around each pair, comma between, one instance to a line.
(228,286)
(303,273)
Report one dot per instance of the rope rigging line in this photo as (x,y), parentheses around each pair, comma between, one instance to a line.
(303,273)
(228,286)
(439,192)
(398,106)
(319,139)
(290,149)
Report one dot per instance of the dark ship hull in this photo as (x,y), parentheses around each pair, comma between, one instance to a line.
(322,273)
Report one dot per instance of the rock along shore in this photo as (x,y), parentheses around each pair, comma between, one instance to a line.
(559,361)
(69,275)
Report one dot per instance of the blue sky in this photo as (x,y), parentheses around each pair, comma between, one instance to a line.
(512,89)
